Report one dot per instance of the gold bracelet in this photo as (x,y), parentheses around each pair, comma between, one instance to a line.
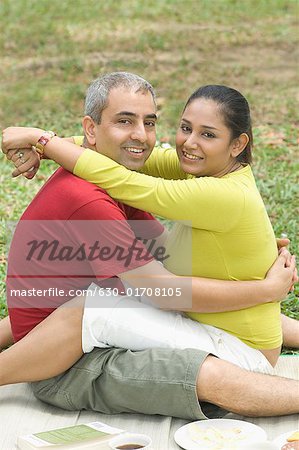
(42,142)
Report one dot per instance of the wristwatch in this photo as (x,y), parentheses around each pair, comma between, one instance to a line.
(42,142)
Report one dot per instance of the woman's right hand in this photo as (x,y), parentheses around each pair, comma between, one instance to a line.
(282,275)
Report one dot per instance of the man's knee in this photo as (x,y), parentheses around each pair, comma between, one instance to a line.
(207,378)
(218,378)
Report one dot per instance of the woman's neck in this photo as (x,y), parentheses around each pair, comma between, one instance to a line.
(233,167)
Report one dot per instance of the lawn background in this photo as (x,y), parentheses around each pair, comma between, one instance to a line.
(52,49)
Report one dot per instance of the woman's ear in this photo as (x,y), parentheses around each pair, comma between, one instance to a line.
(239,144)
(89,130)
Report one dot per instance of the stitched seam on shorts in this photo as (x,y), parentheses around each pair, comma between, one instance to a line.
(108,372)
(192,392)
(54,391)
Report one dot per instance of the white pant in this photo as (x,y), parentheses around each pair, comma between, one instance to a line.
(125,322)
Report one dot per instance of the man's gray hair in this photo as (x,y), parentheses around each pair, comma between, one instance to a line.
(98,92)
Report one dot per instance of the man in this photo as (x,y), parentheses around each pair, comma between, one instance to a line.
(158,381)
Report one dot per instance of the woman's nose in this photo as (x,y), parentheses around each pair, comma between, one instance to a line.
(191,142)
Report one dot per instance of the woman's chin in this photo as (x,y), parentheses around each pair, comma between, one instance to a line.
(195,171)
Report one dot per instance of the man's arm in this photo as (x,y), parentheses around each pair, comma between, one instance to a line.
(208,295)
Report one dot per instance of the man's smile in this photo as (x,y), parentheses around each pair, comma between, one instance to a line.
(136,152)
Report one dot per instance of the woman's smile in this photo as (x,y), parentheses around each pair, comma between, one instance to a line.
(190,156)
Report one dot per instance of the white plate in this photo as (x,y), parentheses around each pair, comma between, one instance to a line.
(229,434)
(282,438)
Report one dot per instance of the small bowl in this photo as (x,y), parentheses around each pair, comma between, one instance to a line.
(122,442)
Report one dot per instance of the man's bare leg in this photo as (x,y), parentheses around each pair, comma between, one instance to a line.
(290,330)
(6,338)
(52,347)
(246,393)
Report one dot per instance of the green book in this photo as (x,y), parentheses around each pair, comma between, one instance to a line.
(84,436)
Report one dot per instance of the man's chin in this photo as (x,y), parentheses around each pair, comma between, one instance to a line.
(134,164)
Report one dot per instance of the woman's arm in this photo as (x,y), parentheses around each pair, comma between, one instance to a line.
(162,163)
(207,295)
(172,199)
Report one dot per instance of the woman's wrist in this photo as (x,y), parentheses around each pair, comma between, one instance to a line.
(35,135)
(63,152)
(268,289)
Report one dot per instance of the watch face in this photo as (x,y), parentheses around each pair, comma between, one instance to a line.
(43,140)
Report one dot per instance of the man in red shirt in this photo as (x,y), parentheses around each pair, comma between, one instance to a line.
(157,381)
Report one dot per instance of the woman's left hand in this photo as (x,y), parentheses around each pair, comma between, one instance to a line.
(20,138)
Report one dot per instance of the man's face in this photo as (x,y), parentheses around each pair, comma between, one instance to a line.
(127,132)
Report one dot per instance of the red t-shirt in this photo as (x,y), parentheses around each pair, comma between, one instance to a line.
(70,235)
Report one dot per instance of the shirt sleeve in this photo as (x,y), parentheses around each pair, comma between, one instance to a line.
(208,203)
(163,163)
(78,140)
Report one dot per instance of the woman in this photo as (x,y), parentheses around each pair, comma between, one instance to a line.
(213,142)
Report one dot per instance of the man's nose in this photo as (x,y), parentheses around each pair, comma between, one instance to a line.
(139,133)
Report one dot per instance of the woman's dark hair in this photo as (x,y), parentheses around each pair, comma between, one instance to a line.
(235,111)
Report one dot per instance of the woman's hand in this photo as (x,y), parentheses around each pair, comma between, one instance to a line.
(20,137)
(282,275)
(282,242)
(26,161)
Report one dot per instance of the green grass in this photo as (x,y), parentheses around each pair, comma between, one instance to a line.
(52,49)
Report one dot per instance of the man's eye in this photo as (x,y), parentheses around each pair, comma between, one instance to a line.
(125,121)
(150,124)
(208,135)
(186,129)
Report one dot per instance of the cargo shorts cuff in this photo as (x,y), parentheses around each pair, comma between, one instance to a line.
(191,376)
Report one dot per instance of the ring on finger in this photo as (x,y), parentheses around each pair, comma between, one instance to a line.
(20,155)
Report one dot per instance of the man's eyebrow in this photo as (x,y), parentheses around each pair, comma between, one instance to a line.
(204,126)
(131,114)
(152,116)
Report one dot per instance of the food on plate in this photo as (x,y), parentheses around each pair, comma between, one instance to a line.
(293,437)
(291,446)
(292,442)
(212,435)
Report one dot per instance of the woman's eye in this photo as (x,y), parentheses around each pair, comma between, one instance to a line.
(208,135)
(185,129)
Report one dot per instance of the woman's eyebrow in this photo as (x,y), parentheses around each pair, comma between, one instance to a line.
(203,126)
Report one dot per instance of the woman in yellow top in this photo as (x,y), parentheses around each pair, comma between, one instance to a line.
(211,186)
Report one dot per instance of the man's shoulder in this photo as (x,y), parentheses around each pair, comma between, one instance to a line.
(70,185)
(63,194)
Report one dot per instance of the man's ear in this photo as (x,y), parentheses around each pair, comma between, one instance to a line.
(239,144)
(89,130)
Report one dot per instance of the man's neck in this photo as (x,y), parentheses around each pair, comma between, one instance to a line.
(86,144)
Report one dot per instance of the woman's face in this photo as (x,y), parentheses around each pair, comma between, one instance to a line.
(203,142)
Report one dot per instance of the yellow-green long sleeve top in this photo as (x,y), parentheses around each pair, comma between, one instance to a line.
(232,237)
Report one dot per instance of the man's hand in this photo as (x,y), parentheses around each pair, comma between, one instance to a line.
(25,160)
(282,275)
